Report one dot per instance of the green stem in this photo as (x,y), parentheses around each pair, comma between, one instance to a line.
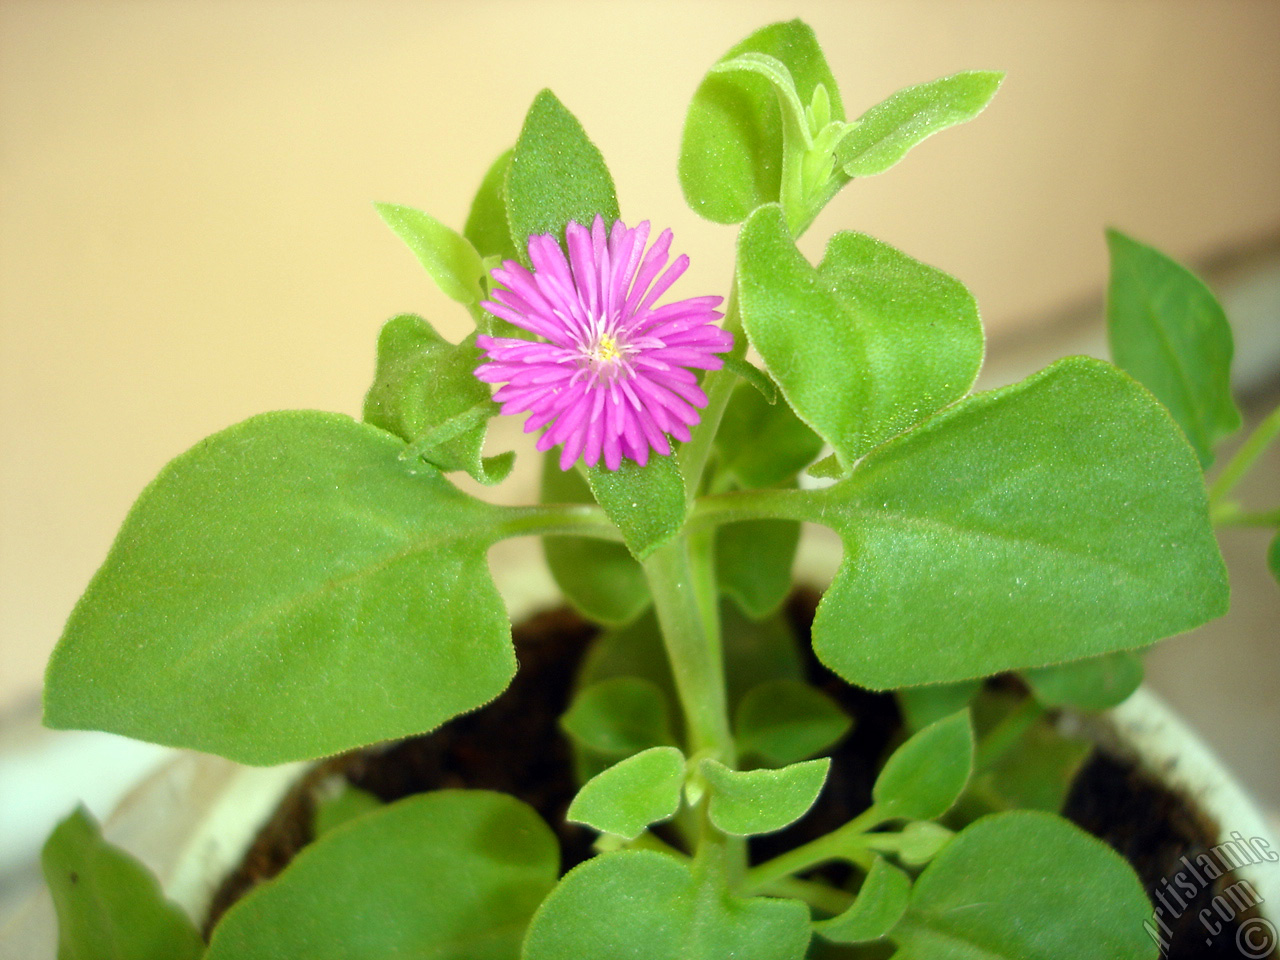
(843,843)
(690,632)
(1233,515)
(576,519)
(817,895)
(1006,733)
(1244,458)
(782,504)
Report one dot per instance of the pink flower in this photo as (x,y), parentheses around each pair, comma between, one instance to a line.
(612,375)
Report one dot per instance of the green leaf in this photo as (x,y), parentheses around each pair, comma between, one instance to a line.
(753,563)
(748,802)
(865,346)
(425,392)
(786,720)
(450,874)
(756,651)
(295,564)
(641,905)
(1035,773)
(881,902)
(924,776)
(619,716)
(882,136)
(1168,331)
(601,579)
(556,175)
(1026,886)
(919,842)
(347,804)
(633,793)
(635,650)
(1097,683)
(447,255)
(487,227)
(761,444)
(647,504)
(731,148)
(922,706)
(1273,557)
(110,907)
(1058,518)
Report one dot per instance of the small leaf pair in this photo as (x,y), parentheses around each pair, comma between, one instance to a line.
(647,787)
(767,126)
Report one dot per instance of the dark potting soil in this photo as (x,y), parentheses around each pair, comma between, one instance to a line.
(514,745)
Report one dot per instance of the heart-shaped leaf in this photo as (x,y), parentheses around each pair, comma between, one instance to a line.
(866,345)
(268,580)
(753,562)
(1097,683)
(641,905)
(487,227)
(1026,886)
(1059,518)
(451,875)
(447,255)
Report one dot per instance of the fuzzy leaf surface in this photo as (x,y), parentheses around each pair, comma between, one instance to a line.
(762,444)
(556,175)
(731,148)
(1058,518)
(1026,886)
(749,802)
(1168,331)
(268,580)
(641,905)
(925,776)
(633,793)
(109,906)
(619,716)
(647,504)
(1097,683)
(450,875)
(866,345)
(487,227)
(753,563)
(425,392)
(881,902)
(882,136)
(447,255)
(922,706)
(784,720)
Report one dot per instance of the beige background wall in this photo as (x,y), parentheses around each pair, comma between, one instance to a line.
(186,236)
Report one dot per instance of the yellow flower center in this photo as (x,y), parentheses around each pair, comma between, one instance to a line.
(606,350)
